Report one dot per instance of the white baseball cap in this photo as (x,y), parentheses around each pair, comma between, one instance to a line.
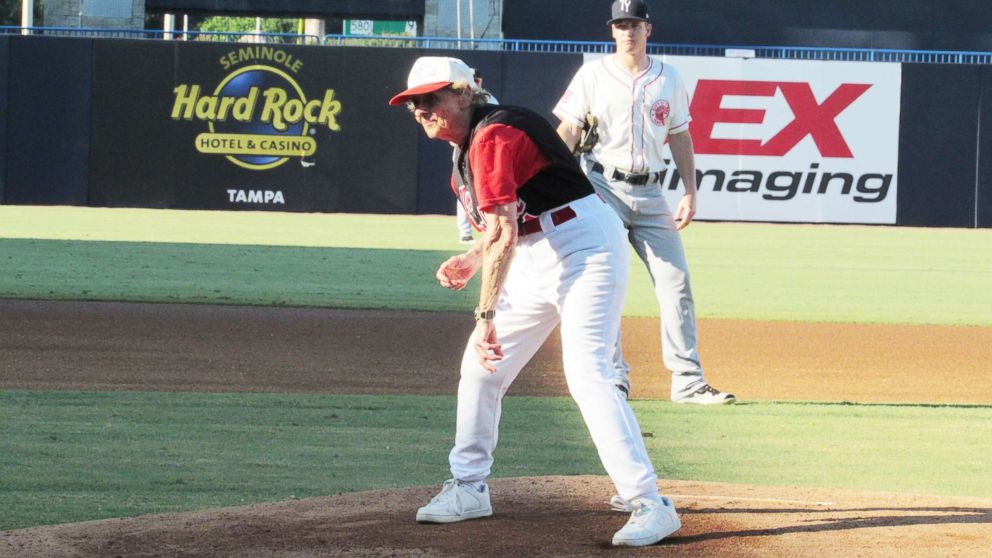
(430,73)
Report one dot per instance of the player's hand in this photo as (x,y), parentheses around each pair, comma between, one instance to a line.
(487,345)
(456,271)
(685,211)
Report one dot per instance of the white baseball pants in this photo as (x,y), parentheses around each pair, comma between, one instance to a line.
(575,274)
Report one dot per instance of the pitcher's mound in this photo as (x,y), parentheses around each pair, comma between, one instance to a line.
(541,516)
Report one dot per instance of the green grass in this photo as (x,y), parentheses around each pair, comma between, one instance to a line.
(75,456)
(740,271)
(226,274)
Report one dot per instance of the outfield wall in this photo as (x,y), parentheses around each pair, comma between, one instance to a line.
(135,123)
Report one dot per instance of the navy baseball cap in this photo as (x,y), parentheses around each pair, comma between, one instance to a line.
(629,9)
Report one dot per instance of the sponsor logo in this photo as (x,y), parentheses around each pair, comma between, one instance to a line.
(258,116)
(810,117)
(784,185)
(791,141)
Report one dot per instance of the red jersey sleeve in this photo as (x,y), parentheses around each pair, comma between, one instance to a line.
(503,159)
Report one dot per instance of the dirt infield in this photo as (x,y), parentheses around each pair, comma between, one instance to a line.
(166,347)
(120,346)
(546,516)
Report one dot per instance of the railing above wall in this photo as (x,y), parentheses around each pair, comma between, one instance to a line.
(520,45)
(776,52)
(158,34)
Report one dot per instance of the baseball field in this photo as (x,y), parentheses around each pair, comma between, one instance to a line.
(182,383)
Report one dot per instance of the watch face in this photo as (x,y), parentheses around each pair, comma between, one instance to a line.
(487,315)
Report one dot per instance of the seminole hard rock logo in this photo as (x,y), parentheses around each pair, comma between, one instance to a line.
(258,116)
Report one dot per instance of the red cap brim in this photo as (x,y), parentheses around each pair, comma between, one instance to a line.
(404,96)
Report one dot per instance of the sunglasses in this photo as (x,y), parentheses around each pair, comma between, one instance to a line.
(426,101)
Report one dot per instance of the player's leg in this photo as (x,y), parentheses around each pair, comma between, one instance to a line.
(615,195)
(593,285)
(523,321)
(659,244)
(591,296)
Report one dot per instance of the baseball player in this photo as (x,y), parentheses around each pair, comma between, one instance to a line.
(550,251)
(638,103)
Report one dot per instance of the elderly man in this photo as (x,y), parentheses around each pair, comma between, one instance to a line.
(551,251)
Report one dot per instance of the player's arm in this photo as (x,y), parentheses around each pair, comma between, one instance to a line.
(569,133)
(571,110)
(685,161)
(497,243)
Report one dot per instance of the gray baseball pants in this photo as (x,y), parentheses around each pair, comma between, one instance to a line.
(651,231)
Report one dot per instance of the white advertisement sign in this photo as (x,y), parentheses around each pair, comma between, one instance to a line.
(792,140)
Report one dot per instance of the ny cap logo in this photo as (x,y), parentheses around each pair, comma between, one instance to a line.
(625,5)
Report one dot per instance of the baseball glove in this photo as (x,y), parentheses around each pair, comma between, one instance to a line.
(589,137)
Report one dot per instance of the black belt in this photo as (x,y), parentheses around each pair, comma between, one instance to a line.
(558,217)
(629,178)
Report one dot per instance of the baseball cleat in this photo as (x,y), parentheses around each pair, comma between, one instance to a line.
(651,521)
(457,501)
(706,395)
(467,239)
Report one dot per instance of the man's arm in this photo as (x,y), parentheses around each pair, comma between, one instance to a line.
(685,161)
(497,243)
(569,133)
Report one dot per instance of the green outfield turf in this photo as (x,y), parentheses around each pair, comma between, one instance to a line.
(76,456)
(742,271)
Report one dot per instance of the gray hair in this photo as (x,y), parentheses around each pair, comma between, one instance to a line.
(480,97)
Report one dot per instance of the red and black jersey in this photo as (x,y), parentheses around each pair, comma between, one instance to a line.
(513,154)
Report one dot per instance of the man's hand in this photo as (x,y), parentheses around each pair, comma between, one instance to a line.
(589,137)
(569,133)
(685,211)
(487,345)
(456,271)
(685,161)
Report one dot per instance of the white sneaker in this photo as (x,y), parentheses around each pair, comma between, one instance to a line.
(706,395)
(651,521)
(457,501)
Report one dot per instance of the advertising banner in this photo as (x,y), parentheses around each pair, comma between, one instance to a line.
(792,140)
(254,123)
(250,126)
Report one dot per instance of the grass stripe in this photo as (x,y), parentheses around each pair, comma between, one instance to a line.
(73,456)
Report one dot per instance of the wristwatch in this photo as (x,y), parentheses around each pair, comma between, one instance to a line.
(484,315)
